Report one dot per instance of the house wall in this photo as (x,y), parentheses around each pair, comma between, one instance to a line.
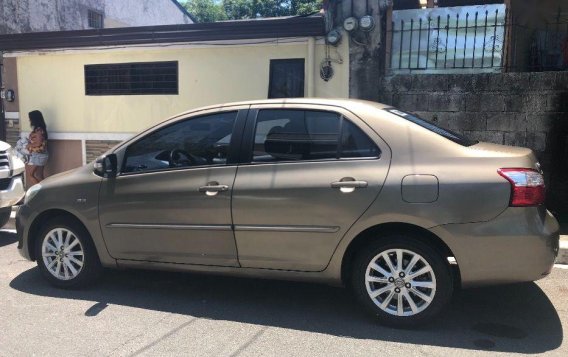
(366,49)
(55,15)
(521,109)
(143,12)
(95,148)
(53,82)
(18,16)
(12,120)
(45,15)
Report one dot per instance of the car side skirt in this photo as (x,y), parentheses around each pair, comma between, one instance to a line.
(317,277)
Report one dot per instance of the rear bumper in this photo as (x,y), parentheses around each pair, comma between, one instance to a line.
(519,245)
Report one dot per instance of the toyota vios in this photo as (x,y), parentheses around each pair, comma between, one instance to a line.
(335,191)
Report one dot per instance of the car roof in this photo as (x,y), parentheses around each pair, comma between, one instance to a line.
(352,104)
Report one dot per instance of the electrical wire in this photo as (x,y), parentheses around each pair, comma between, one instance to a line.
(173,44)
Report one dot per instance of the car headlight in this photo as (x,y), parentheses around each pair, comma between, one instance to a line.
(31,192)
(11,154)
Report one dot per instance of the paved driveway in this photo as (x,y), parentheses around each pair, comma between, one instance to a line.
(155,313)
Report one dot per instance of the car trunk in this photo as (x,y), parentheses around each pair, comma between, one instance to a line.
(511,156)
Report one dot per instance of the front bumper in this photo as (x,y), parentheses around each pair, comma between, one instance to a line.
(22,216)
(519,245)
(13,193)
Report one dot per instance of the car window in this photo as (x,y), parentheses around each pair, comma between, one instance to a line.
(193,142)
(355,143)
(448,134)
(292,135)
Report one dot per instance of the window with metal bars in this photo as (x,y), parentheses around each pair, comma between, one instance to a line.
(286,78)
(95,19)
(132,78)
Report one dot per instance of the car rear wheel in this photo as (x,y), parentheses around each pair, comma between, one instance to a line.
(66,255)
(401,280)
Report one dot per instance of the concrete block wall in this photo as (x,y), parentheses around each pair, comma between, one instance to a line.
(510,108)
(521,109)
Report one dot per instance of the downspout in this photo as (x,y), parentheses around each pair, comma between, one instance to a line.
(311,66)
(2,113)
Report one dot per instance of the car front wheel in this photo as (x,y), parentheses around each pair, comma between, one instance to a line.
(402,280)
(66,255)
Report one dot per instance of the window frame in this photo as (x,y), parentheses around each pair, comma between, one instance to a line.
(91,13)
(248,140)
(234,145)
(87,67)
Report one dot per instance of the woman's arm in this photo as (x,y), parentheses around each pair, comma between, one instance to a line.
(37,138)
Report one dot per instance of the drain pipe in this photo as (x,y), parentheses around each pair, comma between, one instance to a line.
(2,112)
(311,66)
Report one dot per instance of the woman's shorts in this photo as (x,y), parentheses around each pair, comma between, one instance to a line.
(37,159)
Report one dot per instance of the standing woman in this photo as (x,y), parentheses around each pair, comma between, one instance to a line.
(37,147)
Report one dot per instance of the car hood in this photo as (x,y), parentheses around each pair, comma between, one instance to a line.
(73,176)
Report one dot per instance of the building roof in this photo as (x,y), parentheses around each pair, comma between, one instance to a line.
(297,26)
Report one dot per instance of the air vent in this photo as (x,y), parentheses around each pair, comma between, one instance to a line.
(4,160)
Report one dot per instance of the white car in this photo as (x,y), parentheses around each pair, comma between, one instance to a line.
(11,181)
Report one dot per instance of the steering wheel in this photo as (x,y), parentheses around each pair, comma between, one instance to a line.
(180,158)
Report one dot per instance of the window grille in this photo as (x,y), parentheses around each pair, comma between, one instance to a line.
(95,19)
(132,78)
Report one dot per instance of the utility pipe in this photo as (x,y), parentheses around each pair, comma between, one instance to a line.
(311,66)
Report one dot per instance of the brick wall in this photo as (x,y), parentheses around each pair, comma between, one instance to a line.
(95,148)
(521,109)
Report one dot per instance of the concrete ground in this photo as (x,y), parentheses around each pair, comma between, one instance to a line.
(154,313)
(563,251)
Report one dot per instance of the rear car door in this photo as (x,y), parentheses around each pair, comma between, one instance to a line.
(310,173)
(171,201)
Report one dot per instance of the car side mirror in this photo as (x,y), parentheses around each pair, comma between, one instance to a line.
(106,166)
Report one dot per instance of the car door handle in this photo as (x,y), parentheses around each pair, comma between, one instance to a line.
(213,188)
(344,183)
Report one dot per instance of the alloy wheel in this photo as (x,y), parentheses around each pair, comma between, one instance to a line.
(400,282)
(62,254)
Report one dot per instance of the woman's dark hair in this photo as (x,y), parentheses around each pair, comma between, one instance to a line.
(36,121)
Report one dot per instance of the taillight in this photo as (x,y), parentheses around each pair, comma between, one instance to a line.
(527,186)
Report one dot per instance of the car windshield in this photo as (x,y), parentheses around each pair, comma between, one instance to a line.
(448,134)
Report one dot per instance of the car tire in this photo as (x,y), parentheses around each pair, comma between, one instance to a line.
(66,255)
(5,215)
(411,296)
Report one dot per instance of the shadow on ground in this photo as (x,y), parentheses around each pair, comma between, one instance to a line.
(7,237)
(516,318)
(563,222)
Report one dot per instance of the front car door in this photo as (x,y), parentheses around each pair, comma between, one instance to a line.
(312,172)
(171,201)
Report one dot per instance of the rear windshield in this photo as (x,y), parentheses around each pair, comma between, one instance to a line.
(448,134)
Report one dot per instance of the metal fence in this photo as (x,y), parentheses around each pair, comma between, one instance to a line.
(475,41)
